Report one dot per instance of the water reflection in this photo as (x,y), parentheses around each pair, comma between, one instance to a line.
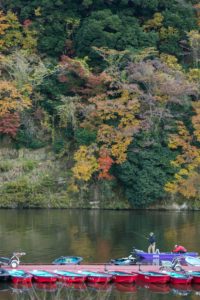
(97,236)
(82,291)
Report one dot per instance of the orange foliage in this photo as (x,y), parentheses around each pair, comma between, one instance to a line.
(11,99)
(105,163)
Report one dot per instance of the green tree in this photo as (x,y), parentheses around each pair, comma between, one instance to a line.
(105,29)
(145,172)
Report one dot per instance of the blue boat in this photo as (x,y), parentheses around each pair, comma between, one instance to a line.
(67,260)
(130,260)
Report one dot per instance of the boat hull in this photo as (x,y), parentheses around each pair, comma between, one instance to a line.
(153,277)
(18,279)
(43,276)
(181,280)
(195,277)
(98,279)
(70,277)
(19,276)
(122,277)
(44,279)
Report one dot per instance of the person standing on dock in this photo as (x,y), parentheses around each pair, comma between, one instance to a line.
(152,243)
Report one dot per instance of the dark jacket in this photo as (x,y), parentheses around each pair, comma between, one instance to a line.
(152,239)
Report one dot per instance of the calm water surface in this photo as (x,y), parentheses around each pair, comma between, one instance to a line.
(97,236)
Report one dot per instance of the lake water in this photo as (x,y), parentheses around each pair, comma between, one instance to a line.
(97,236)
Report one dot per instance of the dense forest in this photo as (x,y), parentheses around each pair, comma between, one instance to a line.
(106,94)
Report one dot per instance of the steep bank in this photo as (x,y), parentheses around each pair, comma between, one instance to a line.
(37,178)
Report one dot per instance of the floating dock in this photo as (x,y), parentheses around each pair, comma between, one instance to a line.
(95,267)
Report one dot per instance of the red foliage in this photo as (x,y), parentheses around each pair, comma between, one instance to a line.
(9,124)
(105,164)
(27,23)
(80,80)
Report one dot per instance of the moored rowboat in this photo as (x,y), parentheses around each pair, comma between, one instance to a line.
(123,277)
(195,276)
(97,277)
(153,277)
(19,276)
(67,260)
(177,278)
(42,276)
(70,277)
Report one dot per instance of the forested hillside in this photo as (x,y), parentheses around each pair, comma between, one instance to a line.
(99,103)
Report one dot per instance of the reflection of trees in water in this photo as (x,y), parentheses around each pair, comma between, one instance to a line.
(62,291)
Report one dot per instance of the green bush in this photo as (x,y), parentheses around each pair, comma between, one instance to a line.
(23,139)
(29,165)
(20,185)
(85,137)
(5,166)
(58,146)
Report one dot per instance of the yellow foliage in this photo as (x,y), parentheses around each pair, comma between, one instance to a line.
(3,23)
(154,23)
(86,163)
(73,188)
(11,99)
(194,75)
(183,172)
(14,35)
(165,33)
(170,187)
(119,149)
(170,61)
(37,11)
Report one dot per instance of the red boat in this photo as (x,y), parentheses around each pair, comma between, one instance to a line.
(153,277)
(43,276)
(178,278)
(70,277)
(123,277)
(19,276)
(195,276)
(181,279)
(97,277)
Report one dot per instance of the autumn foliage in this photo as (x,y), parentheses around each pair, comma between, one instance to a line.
(9,124)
